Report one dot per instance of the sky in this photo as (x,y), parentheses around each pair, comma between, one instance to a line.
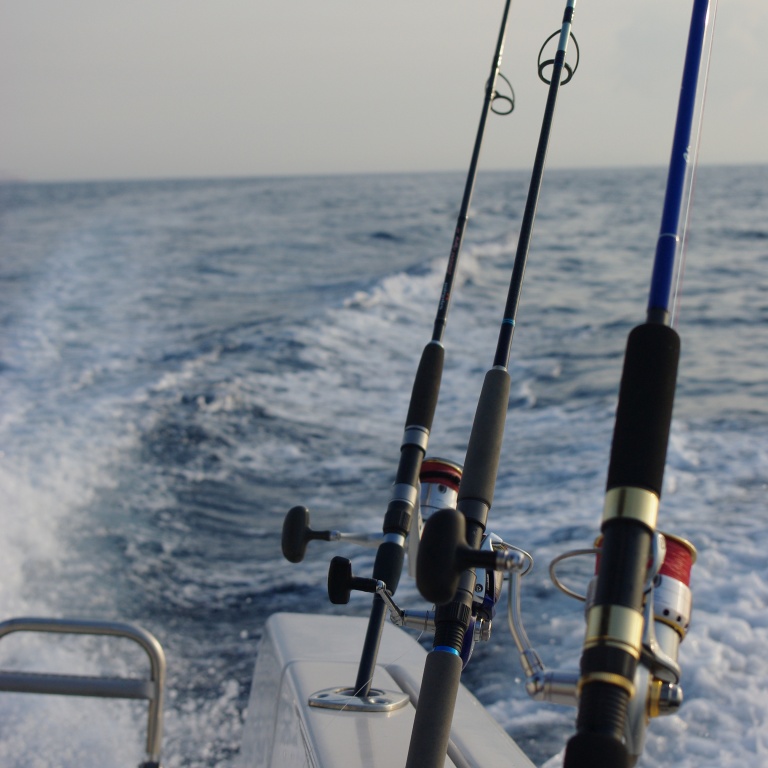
(99,89)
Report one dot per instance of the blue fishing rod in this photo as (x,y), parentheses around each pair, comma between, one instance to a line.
(615,621)
(399,515)
(450,545)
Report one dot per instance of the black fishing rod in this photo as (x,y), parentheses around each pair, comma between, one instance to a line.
(615,622)
(491,95)
(444,573)
(424,395)
(388,564)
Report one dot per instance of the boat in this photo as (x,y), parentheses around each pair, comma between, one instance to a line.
(333,691)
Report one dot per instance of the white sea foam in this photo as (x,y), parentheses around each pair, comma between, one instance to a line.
(155,427)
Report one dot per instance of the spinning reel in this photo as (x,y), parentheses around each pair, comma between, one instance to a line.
(439,484)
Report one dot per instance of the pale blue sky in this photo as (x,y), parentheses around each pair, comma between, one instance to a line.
(179,88)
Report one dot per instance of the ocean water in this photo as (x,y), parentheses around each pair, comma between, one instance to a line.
(182,362)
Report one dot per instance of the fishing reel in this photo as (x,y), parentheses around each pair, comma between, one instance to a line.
(666,617)
(667,607)
(488,590)
(439,484)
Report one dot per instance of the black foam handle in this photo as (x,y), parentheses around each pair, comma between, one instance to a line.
(644,412)
(426,387)
(388,564)
(599,740)
(595,750)
(481,466)
(434,714)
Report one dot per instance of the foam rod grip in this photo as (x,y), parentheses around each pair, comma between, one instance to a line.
(426,387)
(590,750)
(388,564)
(481,465)
(434,712)
(644,412)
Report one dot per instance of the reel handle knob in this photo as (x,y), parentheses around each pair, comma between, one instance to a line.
(297,534)
(341,582)
(444,554)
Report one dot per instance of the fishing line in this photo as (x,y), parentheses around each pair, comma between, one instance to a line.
(688,200)
(668,259)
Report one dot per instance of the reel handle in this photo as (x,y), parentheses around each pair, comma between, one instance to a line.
(444,555)
(341,582)
(297,534)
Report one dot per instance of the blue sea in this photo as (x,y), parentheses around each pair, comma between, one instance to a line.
(183,361)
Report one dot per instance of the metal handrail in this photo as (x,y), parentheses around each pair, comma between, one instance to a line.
(107,687)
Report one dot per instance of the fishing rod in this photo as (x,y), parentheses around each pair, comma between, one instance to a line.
(616,626)
(399,517)
(451,542)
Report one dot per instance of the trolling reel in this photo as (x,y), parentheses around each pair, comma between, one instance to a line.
(666,617)
(439,484)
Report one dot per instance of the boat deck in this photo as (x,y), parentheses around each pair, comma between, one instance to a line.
(301,655)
